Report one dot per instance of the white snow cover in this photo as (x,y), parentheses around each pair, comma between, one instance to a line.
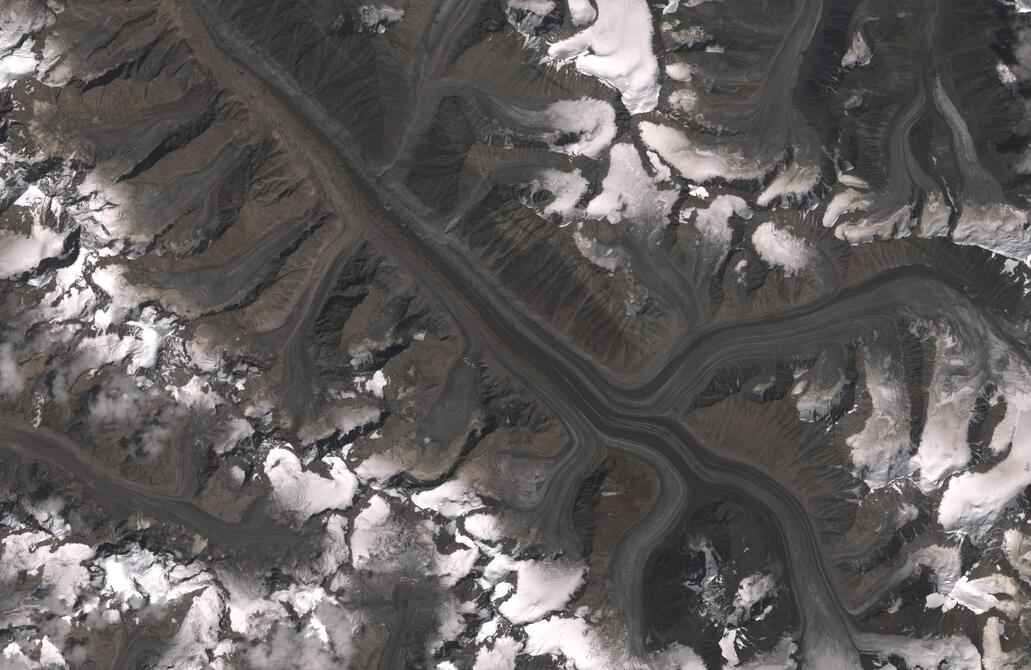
(236,429)
(591,121)
(376,384)
(858,53)
(616,49)
(377,16)
(20,253)
(11,380)
(368,536)
(1018,552)
(607,257)
(111,281)
(951,397)
(566,188)
(572,638)
(955,588)
(894,224)
(849,200)
(585,648)
(251,611)
(679,71)
(453,567)
(676,657)
(974,500)
(500,656)
(780,247)
(998,227)
(542,587)
(49,655)
(985,220)
(1006,75)
(956,652)
(778,658)
(713,222)
(581,12)
(530,15)
(60,565)
(693,162)
(15,658)
(880,449)
(142,577)
(752,590)
(347,419)
(198,633)
(19,21)
(451,499)
(308,493)
(994,658)
(484,527)
(790,185)
(629,192)
(816,397)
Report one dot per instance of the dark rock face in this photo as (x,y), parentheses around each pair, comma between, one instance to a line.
(514,334)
